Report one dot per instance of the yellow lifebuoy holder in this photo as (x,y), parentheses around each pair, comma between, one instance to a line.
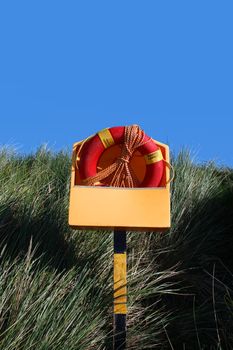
(139,199)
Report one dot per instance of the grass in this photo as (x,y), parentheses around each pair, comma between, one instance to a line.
(56,283)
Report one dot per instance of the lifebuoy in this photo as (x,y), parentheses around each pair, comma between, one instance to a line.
(94,147)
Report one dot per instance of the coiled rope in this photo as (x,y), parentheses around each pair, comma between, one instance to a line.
(120,173)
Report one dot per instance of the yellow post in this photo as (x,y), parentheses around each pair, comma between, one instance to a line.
(120,290)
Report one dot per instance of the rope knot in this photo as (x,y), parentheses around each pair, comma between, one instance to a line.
(126,154)
(124,159)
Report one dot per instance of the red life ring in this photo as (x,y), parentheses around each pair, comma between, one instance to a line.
(96,145)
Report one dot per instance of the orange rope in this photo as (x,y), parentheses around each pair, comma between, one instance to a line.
(120,173)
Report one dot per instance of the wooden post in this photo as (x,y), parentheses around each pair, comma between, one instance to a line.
(120,290)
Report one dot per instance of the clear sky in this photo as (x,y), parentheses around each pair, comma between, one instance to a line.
(70,68)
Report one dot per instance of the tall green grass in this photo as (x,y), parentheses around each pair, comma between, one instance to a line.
(56,283)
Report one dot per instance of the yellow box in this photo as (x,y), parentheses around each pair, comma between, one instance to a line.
(143,209)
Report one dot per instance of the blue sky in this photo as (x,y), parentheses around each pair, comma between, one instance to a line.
(71,68)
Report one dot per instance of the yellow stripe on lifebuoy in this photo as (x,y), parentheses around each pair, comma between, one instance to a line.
(153,157)
(120,289)
(106,138)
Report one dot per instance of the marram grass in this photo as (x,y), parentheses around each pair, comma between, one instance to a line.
(56,283)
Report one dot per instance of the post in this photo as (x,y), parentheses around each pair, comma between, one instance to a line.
(120,290)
